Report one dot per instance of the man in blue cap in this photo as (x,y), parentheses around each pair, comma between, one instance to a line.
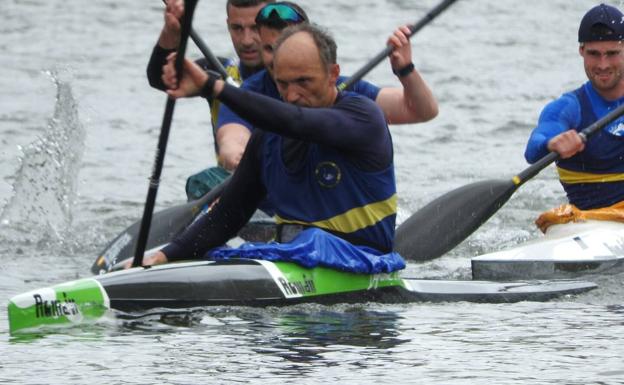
(592,173)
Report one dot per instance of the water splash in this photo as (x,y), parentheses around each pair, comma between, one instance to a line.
(45,184)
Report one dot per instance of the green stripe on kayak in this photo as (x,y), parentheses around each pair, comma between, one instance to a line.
(67,303)
(298,281)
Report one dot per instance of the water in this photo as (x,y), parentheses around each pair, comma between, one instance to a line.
(79,126)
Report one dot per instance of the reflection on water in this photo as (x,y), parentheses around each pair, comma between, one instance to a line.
(307,336)
(302,333)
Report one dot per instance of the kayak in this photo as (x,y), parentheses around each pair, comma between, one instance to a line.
(249,282)
(565,251)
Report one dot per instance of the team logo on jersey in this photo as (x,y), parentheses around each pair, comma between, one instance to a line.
(617,129)
(328,174)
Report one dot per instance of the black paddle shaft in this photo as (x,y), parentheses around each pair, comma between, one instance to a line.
(189,8)
(205,50)
(383,54)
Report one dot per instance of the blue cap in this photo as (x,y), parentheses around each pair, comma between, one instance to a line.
(602,23)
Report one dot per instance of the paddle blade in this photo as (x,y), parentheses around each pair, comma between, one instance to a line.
(447,221)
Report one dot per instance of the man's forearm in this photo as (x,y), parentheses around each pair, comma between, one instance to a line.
(154,67)
(236,205)
(231,141)
(413,103)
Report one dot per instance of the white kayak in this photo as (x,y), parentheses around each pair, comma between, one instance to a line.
(566,250)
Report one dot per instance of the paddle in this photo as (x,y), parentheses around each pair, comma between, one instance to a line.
(168,223)
(212,59)
(451,218)
(435,11)
(189,8)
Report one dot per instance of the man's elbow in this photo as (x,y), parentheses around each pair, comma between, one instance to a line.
(431,111)
(423,112)
(531,155)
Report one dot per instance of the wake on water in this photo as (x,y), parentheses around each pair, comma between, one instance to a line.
(45,183)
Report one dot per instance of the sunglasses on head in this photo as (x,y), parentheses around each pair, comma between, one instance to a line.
(283,12)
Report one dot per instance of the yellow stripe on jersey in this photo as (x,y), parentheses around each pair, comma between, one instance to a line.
(575,177)
(353,220)
(234,72)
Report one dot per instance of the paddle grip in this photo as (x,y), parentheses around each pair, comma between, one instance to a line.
(189,9)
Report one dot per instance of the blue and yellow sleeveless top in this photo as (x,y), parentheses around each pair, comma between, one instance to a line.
(357,205)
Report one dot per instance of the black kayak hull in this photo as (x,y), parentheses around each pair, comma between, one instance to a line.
(243,282)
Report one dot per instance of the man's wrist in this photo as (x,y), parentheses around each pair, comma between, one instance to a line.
(208,89)
(163,51)
(168,40)
(404,71)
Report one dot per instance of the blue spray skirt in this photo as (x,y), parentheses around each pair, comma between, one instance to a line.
(314,247)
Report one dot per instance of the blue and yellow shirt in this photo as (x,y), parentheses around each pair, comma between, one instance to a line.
(594,177)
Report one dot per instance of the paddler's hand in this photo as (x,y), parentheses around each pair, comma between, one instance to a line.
(401,56)
(192,82)
(170,34)
(158,258)
(566,144)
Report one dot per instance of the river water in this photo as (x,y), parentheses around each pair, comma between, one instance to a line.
(78,128)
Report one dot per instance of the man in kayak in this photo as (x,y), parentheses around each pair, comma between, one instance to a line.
(322,158)
(412,103)
(592,173)
(243,32)
(232,138)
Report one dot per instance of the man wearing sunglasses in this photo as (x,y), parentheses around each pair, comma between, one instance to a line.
(323,158)
(412,103)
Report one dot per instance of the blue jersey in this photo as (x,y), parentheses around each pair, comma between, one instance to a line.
(339,193)
(263,83)
(593,178)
